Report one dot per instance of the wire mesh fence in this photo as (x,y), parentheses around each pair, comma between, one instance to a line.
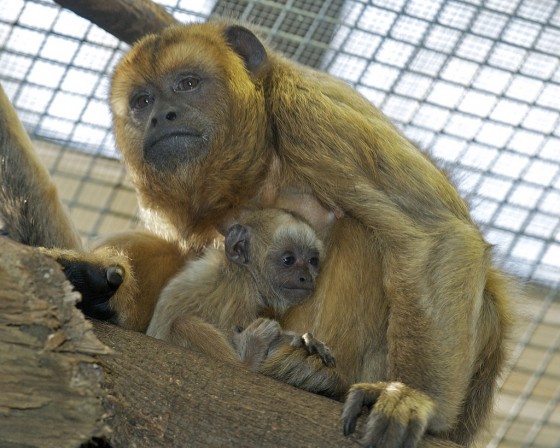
(475,83)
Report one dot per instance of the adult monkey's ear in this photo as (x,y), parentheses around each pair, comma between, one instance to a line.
(248,46)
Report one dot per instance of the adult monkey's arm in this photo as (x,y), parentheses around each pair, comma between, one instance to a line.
(31,211)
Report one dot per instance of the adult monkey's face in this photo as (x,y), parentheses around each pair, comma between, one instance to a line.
(190,119)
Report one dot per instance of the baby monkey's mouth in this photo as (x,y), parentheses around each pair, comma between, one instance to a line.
(296,293)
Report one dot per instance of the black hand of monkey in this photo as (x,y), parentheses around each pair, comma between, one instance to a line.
(97,284)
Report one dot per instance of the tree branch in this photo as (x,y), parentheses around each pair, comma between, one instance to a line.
(127,20)
(165,396)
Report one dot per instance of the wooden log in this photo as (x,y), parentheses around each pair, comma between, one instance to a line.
(161,395)
(165,396)
(127,20)
(50,394)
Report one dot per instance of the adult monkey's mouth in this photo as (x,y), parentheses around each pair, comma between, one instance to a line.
(168,150)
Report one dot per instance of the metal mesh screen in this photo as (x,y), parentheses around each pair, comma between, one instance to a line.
(476,83)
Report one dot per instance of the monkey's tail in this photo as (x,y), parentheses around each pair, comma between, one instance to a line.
(31,211)
(496,322)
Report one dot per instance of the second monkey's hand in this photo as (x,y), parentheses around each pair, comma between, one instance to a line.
(97,282)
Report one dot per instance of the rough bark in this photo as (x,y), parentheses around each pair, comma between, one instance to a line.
(127,20)
(165,396)
(50,393)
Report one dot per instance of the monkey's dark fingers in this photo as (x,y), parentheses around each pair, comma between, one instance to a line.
(314,346)
(115,275)
(399,414)
(97,284)
(293,365)
(310,343)
(357,398)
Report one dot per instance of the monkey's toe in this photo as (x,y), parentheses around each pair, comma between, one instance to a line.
(353,408)
(399,414)
(350,425)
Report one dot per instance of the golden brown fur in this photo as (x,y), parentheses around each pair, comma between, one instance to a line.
(407,263)
(30,210)
(147,279)
(407,299)
(142,282)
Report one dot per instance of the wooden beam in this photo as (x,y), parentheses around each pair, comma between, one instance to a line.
(127,20)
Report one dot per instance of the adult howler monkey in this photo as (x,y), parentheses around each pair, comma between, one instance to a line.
(210,121)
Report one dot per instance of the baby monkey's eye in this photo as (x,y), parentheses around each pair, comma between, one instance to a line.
(288,260)
(141,101)
(314,261)
(187,83)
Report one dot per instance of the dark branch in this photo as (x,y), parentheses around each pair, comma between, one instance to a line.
(127,20)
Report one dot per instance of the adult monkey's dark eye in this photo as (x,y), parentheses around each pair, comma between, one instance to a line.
(141,101)
(187,83)
(314,261)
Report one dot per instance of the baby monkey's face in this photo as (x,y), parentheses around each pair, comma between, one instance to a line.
(293,271)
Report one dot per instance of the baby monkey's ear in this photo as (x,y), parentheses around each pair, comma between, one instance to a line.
(248,46)
(237,244)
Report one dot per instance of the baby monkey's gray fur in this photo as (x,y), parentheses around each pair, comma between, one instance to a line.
(269,263)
